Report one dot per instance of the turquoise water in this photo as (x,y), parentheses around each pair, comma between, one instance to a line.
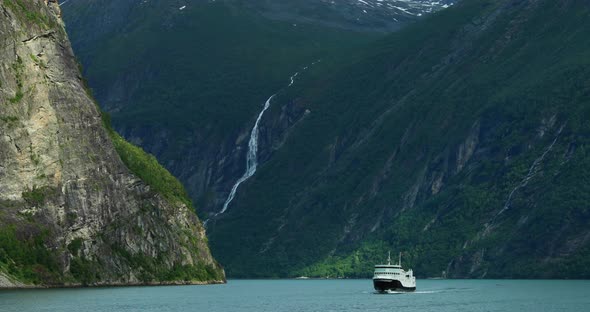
(311,295)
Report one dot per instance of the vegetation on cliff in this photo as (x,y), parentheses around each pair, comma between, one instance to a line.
(147,167)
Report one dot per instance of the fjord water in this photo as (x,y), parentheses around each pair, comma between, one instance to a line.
(312,295)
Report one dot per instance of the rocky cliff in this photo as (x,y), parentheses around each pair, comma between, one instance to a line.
(78,205)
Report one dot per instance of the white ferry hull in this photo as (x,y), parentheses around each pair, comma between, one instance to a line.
(384,285)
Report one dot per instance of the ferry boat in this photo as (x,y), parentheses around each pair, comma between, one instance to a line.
(392,278)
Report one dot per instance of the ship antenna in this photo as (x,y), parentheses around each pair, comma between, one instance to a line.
(389,258)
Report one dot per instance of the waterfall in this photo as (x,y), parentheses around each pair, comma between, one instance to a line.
(531,173)
(533,170)
(293,79)
(252,155)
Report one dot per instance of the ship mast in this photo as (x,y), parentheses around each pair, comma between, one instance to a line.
(389,258)
(400,259)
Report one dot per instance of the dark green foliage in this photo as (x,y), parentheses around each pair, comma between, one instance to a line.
(189,273)
(71,217)
(152,269)
(9,121)
(37,195)
(75,246)
(23,254)
(17,97)
(18,72)
(38,61)
(85,271)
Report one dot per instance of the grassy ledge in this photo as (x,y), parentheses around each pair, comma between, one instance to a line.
(147,168)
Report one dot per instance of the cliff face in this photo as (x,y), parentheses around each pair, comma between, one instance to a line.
(71,212)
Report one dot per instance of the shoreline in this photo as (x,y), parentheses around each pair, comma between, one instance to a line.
(114,285)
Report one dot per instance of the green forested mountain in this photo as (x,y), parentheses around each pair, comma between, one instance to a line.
(460,140)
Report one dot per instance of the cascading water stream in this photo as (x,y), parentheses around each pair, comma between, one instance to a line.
(525,181)
(252,155)
(293,79)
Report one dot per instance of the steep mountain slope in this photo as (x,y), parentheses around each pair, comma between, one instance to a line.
(188,84)
(78,204)
(461,140)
